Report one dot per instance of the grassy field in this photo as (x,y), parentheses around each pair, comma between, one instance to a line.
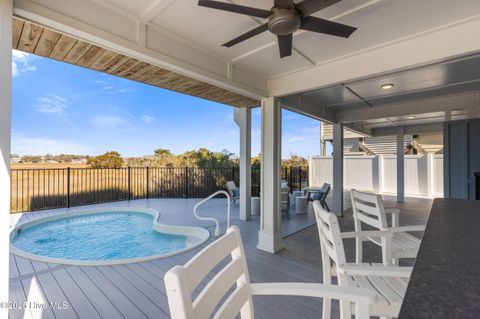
(46,165)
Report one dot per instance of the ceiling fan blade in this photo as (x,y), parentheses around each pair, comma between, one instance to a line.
(308,7)
(285,45)
(260,13)
(328,27)
(247,35)
(284,4)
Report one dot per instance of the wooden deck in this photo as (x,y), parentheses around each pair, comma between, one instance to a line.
(137,290)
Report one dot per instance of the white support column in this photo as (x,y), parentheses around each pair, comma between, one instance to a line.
(6,12)
(400,166)
(322,141)
(270,236)
(430,175)
(243,118)
(338,169)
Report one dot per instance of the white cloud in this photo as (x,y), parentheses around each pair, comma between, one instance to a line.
(109,121)
(24,145)
(294,139)
(112,90)
(108,88)
(147,119)
(21,63)
(51,104)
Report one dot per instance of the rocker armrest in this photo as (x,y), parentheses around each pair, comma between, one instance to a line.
(315,290)
(407,228)
(367,233)
(386,271)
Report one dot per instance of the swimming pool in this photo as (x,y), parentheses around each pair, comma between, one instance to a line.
(103,237)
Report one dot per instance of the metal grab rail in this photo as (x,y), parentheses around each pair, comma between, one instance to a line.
(217,228)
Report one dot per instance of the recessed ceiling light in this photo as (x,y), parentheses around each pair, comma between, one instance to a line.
(386,86)
(411,117)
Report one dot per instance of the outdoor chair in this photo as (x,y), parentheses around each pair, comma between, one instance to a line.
(387,282)
(229,293)
(285,199)
(321,196)
(368,208)
(234,191)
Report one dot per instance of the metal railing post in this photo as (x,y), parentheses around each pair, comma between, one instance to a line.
(147,178)
(68,187)
(186,182)
(128,182)
(299,177)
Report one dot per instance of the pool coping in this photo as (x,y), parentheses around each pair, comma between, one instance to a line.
(196,236)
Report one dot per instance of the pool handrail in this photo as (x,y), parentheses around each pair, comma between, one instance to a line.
(217,227)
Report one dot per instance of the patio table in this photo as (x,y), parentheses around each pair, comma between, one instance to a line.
(445,280)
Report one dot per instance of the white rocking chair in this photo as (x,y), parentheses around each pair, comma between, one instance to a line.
(217,300)
(368,208)
(389,283)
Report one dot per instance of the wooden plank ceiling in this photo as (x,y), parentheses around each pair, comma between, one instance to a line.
(32,38)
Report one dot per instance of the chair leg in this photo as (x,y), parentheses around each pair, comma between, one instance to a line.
(345,306)
(324,205)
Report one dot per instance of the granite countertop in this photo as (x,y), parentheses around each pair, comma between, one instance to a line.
(445,282)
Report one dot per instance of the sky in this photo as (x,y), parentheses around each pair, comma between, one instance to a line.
(61,108)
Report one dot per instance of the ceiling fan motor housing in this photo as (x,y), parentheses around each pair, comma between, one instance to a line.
(284,21)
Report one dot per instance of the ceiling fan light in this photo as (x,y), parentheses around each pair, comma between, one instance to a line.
(284,21)
(411,117)
(386,86)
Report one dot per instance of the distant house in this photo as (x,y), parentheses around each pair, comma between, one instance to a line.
(79,161)
(14,160)
(357,144)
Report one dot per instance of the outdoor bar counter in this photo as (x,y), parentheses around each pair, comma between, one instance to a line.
(445,282)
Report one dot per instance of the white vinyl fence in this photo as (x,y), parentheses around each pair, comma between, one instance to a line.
(423,173)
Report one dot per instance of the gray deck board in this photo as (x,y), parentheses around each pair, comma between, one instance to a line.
(95,295)
(35,294)
(137,290)
(54,293)
(17,295)
(75,296)
(151,309)
(116,297)
(13,270)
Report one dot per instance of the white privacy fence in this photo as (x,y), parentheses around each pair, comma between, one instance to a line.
(423,173)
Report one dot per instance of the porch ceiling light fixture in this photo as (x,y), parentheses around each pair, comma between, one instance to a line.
(386,86)
(411,117)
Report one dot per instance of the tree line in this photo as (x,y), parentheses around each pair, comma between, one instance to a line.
(161,157)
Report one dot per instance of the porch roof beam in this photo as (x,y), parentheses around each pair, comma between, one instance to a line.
(443,103)
(304,106)
(409,129)
(423,48)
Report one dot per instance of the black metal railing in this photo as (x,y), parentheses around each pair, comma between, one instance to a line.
(36,189)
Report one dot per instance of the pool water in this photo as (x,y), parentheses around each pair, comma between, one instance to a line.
(101,236)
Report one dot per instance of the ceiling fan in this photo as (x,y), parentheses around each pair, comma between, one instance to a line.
(284,19)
